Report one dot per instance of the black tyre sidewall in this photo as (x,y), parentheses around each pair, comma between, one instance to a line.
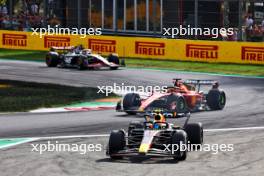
(131,101)
(195,133)
(52,60)
(179,137)
(216,99)
(116,142)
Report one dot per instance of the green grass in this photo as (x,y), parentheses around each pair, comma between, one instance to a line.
(22,54)
(221,68)
(247,70)
(16,96)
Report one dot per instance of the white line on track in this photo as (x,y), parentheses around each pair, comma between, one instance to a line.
(18,143)
(106,135)
(234,129)
(74,136)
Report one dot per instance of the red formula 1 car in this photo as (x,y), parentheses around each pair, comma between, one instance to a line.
(183,97)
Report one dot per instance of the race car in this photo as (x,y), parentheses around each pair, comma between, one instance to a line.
(80,58)
(156,138)
(183,97)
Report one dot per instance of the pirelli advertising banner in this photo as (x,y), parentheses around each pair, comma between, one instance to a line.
(141,47)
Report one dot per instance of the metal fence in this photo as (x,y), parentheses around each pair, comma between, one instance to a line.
(138,17)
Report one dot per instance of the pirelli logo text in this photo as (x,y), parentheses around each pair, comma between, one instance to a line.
(18,40)
(202,51)
(56,41)
(150,48)
(253,54)
(107,46)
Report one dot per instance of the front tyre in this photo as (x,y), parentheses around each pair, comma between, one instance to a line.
(52,60)
(116,143)
(195,133)
(179,145)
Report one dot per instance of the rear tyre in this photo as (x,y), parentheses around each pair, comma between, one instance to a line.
(216,99)
(113,68)
(116,143)
(131,102)
(113,58)
(52,60)
(195,133)
(179,138)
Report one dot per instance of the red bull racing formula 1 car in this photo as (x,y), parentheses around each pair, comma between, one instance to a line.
(183,97)
(80,58)
(155,138)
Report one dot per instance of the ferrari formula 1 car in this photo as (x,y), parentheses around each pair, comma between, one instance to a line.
(183,97)
(80,58)
(156,138)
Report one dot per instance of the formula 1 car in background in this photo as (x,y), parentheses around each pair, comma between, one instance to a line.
(183,97)
(155,138)
(80,58)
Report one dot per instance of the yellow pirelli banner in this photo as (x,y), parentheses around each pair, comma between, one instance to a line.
(143,47)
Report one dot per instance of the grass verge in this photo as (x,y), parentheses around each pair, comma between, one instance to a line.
(16,96)
(220,68)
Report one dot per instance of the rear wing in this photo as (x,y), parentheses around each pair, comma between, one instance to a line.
(196,82)
(62,48)
(199,82)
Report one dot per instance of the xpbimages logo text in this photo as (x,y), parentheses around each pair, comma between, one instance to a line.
(190,31)
(83,32)
(56,146)
(122,88)
(213,148)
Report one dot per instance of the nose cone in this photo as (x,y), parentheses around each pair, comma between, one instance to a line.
(144,148)
(147,141)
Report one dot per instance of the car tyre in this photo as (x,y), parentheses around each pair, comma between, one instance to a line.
(179,137)
(116,143)
(52,60)
(195,133)
(216,99)
(131,102)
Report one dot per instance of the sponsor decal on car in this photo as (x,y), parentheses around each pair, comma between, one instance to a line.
(202,51)
(56,41)
(150,48)
(18,40)
(252,54)
(98,45)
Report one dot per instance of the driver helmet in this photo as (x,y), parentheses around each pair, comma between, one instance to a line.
(158,118)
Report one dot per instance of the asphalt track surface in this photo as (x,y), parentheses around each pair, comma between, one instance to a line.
(244,108)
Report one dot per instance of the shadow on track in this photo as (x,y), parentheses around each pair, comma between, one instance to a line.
(140,160)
